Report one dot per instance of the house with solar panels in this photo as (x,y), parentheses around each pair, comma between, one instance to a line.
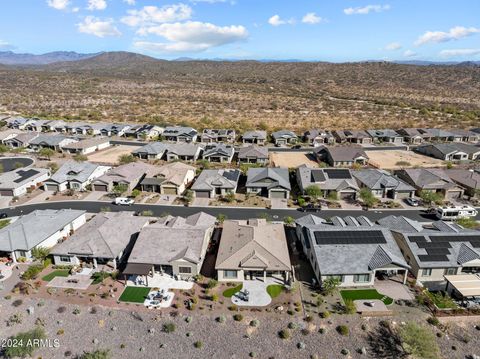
(20,181)
(444,248)
(352,249)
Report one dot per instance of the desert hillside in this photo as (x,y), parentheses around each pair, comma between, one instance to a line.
(246,94)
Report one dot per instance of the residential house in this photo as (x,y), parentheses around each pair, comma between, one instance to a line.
(318,137)
(171,178)
(330,180)
(431,179)
(284,137)
(412,135)
(255,137)
(219,152)
(19,123)
(253,154)
(106,239)
(97,127)
(87,146)
(444,248)
(352,136)
(450,151)
(353,250)
(144,132)
(253,250)
(36,125)
(437,134)
(467,179)
(341,156)
(386,136)
(8,134)
(462,135)
(21,140)
(180,134)
(19,181)
(40,228)
(173,245)
(210,135)
(268,182)
(211,183)
(383,184)
(59,126)
(77,128)
(53,142)
(184,151)
(151,151)
(114,129)
(127,176)
(74,175)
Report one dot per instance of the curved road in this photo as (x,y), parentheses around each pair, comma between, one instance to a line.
(230,213)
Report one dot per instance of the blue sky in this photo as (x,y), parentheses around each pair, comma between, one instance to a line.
(338,30)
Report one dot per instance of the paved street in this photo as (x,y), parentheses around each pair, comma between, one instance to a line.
(230,213)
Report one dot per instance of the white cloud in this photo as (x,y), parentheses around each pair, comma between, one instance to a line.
(459,52)
(191,36)
(4,45)
(455,33)
(58,4)
(97,4)
(208,1)
(275,20)
(130,2)
(364,10)
(95,26)
(311,18)
(409,53)
(393,46)
(151,15)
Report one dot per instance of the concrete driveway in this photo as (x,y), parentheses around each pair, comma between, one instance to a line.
(278,203)
(258,296)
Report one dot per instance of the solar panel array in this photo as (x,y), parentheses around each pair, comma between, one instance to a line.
(349,237)
(338,173)
(438,248)
(23,175)
(317,176)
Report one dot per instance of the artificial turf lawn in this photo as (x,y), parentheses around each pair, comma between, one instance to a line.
(228,293)
(274,290)
(56,273)
(134,294)
(365,294)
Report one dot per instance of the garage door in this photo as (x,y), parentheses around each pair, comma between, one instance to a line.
(169,190)
(51,187)
(278,194)
(100,188)
(202,194)
(6,192)
(347,195)
(454,194)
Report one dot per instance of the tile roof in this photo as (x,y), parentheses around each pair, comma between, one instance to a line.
(75,171)
(222,178)
(253,152)
(20,176)
(268,177)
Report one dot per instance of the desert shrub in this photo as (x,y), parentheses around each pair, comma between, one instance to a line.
(343,330)
(325,314)
(419,341)
(212,283)
(433,321)
(76,311)
(97,354)
(292,325)
(17,302)
(32,336)
(32,272)
(284,334)
(238,317)
(221,319)
(349,307)
(61,310)
(198,344)
(169,327)
(188,319)
(254,323)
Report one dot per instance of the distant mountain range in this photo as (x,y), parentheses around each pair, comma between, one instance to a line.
(11,58)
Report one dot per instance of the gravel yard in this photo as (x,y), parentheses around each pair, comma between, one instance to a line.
(291,159)
(111,154)
(395,159)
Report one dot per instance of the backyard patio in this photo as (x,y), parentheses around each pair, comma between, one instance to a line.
(162,281)
(256,293)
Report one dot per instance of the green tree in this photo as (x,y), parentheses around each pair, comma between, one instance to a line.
(46,153)
(333,196)
(367,197)
(419,341)
(40,253)
(430,197)
(289,220)
(468,222)
(188,196)
(119,189)
(53,166)
(221,218)
(4,148)
(126,158)
(80,157)
(136,193)
(229,197)
(314,192)
(329,285)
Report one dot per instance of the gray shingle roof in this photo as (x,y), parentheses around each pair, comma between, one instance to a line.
(21,176)
(153,148)
(218,149)
(466,178)
(184,149)
(74,171)
(260,135)
(253,152)
(50,140)
(376,179)
(284,134)
(223,178)
(317,176)
(268,178)
(428,178)
(343,153)
(104,236)
(32,229)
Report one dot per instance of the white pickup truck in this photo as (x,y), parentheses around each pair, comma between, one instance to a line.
(123,201)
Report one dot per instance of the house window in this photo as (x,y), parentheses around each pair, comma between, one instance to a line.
(361,278)
(231,274)
(185,270)
(427,272)
(450,271)
(338,277)
(64,259)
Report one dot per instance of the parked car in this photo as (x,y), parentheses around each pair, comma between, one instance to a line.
(123,201)
(412,202)
(3,215)
(311,208)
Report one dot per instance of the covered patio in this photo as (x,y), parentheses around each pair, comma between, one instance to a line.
(463,286)
(136,274)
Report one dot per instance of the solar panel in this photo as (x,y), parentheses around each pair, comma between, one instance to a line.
(317,176)
(338,173)
(434,251)
(434,245)
(433,258)
(416,239)
(349,237)
(23,175)
(457,238)
(475,244)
